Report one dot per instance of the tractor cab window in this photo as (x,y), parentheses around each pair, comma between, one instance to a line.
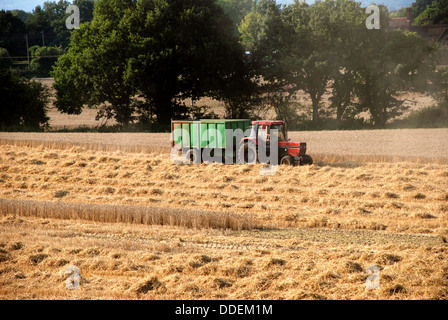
(281,131)
(253,132)
(263,132)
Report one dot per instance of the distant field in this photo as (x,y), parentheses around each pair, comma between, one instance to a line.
(58,120)
(139,227)
(424,145)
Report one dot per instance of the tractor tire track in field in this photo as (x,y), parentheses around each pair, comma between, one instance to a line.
(266,240)
(337,238)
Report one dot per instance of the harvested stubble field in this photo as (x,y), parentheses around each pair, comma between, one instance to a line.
(410,145)
(139,227)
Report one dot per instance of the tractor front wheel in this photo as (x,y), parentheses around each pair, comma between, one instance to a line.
(287,160)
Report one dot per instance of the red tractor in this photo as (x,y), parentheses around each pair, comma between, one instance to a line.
(289,153)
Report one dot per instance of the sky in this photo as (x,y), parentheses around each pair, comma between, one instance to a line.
(29,5)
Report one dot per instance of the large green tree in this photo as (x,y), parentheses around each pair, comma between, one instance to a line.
(391,62)
(308,49)
(265,36)
(92,71)
(148,57)
(293,51)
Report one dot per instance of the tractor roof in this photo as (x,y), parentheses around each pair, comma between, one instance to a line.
(268,122)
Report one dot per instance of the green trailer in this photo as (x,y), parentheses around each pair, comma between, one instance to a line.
(191,137)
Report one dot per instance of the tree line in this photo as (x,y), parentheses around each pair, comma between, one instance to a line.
(429,12)
(301,49)
(147,61)
(40,34)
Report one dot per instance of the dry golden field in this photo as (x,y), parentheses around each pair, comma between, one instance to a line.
(410,145)
(139,227)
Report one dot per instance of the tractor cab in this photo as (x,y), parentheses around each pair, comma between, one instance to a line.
(290,153)
(264,128)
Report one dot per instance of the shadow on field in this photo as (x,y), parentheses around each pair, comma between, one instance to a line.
(339,164)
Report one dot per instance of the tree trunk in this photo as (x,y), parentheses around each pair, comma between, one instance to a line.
(381,118)
(340,111)
(164,109)
(315,101)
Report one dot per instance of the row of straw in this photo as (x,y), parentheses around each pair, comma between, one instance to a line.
(187,218)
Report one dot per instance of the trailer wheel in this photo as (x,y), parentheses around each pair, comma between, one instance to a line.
(247,153)
(193,156)
(287,160)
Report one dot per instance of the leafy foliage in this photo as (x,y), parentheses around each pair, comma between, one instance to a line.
(303,48)
(398,13)
(429,117)
(22,102)
(237,9)
(419,6)
(43,58)
(155,55)
(5,59)
(11,30)
(435,13)
(148,61)
(49,19)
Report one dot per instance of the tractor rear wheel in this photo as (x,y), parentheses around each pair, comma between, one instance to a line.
(247,153)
